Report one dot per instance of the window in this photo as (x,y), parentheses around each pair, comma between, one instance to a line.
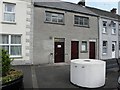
(9,12)
(84,46)
(11,43)
(114,28)
(104,47)
(81,21)
(119,45)
(104,27)
(54,17)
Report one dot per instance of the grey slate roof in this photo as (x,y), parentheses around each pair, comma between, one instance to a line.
(104,13)
(67,6)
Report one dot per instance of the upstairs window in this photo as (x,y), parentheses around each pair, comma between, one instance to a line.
(104,30)
(9,12)
(81,21)
(114,28)
(54,17)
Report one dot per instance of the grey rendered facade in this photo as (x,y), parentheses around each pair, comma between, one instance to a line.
(46,34)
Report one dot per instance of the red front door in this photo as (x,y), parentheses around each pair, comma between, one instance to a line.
(59,52)
(74,50)
(92,50)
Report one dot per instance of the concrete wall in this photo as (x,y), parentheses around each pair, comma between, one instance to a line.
(43,44)
(0,16)
(119,37)
(119,7)
(109,37)
(21,26)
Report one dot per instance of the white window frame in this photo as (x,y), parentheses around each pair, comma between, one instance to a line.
(104,29)
(84,46)
(114,29)
(104,53)
(81,21)
(7,12)
(51,17)
(10,44)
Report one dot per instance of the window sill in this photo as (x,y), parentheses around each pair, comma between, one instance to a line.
(15,56)
(84,51)
(81,26)
(54,23)
(104,33)
(104,54)
(113,34)
(5,22)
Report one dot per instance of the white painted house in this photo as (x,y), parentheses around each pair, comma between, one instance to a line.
(108,33)
(16,29)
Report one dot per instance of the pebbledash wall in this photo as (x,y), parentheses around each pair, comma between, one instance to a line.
(21,26)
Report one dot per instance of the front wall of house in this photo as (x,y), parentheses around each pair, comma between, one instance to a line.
(109,37)
(0,16)
(44,34)
(22,26)
(119,38)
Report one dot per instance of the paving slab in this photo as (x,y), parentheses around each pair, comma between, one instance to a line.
(27,79)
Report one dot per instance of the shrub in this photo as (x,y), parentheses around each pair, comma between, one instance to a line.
(5,62)
(12,75)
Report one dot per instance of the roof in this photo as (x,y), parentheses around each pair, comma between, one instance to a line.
(67,6)
(104,13)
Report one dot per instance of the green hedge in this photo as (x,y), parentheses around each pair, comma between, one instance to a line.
(11,75)
(8,74)
(5,62)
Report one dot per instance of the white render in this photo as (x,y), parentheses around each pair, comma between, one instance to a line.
(109,37)
(22,25)
(88,73)
(119,28)
(119,7)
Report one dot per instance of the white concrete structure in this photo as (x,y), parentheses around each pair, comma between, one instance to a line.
(88,73)
(16,29)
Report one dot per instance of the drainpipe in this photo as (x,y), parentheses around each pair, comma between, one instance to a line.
(98,38)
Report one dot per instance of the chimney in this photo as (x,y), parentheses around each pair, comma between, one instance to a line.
(81,3)
(113,10)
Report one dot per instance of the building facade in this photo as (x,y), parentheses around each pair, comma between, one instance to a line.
(64,31)
(108,33)
(119,7)
(119,36)
(16,29)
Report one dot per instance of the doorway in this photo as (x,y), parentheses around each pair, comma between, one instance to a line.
(113,49)
(91,50)
(59,51)
(74,50)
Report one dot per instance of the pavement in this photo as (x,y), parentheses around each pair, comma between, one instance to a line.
(58,76)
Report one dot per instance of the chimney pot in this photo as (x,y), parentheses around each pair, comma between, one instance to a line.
(81,2)
(113,10)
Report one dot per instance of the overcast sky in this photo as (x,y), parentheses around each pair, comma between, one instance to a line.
(101,4)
